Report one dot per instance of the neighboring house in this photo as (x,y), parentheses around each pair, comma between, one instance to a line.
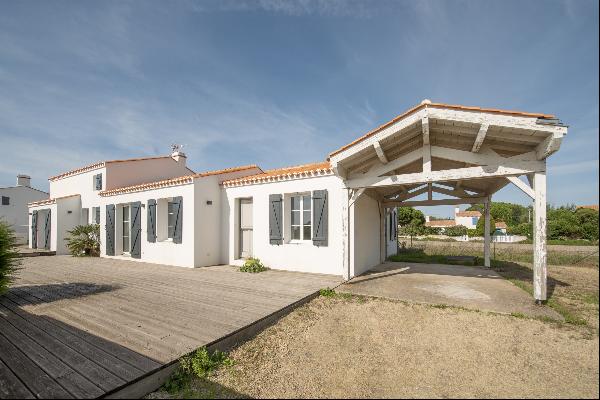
(335,217)
(589,207)
(467,219)
(13,204)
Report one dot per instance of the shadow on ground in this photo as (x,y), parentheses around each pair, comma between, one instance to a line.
(47,293)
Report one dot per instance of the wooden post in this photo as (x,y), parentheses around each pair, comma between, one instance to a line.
(346,233)
(539,238)
(382,243)
(486,234)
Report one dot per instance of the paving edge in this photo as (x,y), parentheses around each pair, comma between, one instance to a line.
(153,380)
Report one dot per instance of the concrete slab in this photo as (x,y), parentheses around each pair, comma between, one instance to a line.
(456,285)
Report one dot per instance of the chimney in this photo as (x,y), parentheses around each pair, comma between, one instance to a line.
(23,180)
(177,154)
(456,210)
(427,218)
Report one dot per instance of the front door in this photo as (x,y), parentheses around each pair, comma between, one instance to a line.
(245,228)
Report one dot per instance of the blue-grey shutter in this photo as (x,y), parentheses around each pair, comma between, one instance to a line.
(178,215)
(97,217)
(47,230)
(151,221)
(136,229)
(110,230)
(320,218)
(34,218)
(98,181)
(275,213)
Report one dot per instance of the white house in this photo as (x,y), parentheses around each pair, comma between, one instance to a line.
(468,219)
(13,204)
(336,216)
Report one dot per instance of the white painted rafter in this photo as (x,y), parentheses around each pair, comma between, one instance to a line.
(522,185)
(380,153)
(480,137)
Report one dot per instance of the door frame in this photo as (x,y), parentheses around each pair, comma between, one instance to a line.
(240,230)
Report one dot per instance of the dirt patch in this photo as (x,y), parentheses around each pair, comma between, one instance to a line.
(340,347)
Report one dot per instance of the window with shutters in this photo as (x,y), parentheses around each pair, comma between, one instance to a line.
(95,215)
(126,229)
(301,217)
(170,220)
(5,200)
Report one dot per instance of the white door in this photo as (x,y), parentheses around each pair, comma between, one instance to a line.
(245,228)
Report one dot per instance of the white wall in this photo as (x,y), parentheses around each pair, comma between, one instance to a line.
(160,252)
(289,256)
(207,221)
(364,223)
(127,173)
(82,184)
(391,243)
(16,213)
(66,217)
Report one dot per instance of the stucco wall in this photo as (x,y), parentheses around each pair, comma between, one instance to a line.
(207,221)
(82,184)
(303,256)
(364,224)
(66,217)
(160,252)
(127,173)
(16,213)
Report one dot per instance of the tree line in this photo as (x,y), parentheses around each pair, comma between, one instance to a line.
(563,223)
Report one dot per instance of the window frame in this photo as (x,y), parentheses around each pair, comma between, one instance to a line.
(7,203)
(170,219)
(301,210)
(128,220)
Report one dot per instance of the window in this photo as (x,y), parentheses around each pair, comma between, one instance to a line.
(170,220)
(96,215)
(126,230)
(301,217)
(5,200)
(97,184)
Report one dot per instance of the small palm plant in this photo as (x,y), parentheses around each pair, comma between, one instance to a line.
(84,241)
(9,256)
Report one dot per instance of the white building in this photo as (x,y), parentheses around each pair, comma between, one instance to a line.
(335,217)
(468,219)
(13,204)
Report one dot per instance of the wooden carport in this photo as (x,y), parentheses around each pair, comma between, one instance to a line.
(464,153)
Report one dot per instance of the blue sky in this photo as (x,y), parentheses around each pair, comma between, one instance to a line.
(282,83)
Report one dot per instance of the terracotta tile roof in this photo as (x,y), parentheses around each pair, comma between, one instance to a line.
(279,174)
(501,225)
(440,105)
(591,207)
(181,180)
(51,200)
(101,164)
(440,223)
(468,214)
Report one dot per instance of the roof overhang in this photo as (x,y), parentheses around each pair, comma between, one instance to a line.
(471,152)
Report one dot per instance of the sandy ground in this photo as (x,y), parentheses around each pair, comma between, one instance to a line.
(335,347)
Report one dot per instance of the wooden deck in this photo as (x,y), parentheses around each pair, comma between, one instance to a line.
(82,327)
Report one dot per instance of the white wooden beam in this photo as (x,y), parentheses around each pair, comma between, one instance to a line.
(393,165)
(488,171)
(426,158)
(486,157)
(425,129)
(339,171)
(549,146)
(486,234)
(346,270)
(380,153)
(440,202)
(455,193)
(480,138)
(355,194)
(522,185)
(540,272)
(413,193)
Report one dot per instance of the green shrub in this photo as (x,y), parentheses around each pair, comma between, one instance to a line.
(328,292)
(9,256)
(253,265)
(201,363)
(458,230)
(84,240)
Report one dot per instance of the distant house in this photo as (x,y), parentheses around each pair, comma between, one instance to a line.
(13,204)
(468,219)
(590,207)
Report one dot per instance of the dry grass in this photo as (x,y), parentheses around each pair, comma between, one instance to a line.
(340,346)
